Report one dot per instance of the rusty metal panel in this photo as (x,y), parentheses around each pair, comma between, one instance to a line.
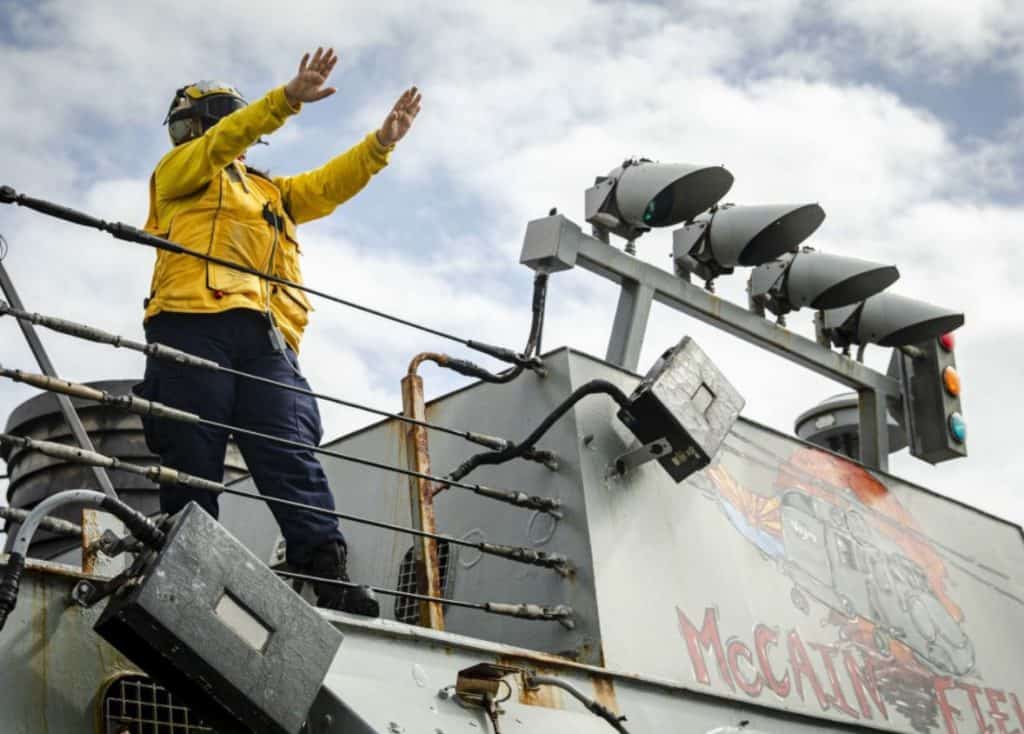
(426,560)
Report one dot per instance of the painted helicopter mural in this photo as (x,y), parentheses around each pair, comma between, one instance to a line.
(841,538)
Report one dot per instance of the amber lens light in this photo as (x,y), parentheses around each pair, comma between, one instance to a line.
(951,379)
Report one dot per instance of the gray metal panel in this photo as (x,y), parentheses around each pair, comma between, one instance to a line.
(375,557)
(713,551)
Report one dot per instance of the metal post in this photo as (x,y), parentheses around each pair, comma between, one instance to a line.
(630,324)
(874,429)
(425,555)
(46,366)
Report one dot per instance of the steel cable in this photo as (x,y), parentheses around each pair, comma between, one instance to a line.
(520,499)
(172,477)
(558,613)
(160,351)
(128,233)
(154,409)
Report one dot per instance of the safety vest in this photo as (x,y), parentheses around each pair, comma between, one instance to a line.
(204,199)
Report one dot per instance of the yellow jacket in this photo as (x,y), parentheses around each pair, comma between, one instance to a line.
(203,198)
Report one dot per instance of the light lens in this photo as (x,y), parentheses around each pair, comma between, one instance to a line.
(957,427)
(947,341)
(951,379)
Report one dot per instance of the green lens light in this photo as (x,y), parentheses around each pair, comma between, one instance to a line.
(957,427)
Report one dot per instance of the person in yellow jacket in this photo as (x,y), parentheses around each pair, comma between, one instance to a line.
(203,197)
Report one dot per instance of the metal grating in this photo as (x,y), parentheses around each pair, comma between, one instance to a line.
(133,704)
(407,610)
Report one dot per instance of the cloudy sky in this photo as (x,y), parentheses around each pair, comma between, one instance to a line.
(904,120)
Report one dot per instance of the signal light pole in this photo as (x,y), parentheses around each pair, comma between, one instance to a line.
(714,240)
(555,243)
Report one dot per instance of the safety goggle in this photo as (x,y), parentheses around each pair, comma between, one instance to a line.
(210,100)
(217,106)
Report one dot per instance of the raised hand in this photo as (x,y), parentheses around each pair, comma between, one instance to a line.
(308,84)
(399,120)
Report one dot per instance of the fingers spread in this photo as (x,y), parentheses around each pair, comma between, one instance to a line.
(305,60)
(326,92)
(315,63)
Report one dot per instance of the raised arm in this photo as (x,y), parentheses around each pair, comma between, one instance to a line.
(192,165)
(318,192)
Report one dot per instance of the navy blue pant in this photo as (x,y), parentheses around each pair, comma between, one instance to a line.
(239,339)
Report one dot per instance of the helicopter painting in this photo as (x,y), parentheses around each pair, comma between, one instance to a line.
(854,560)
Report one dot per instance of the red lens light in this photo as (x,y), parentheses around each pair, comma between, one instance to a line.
(948,341)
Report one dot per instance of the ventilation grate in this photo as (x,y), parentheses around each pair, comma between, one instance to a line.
(408,610)
(133,704)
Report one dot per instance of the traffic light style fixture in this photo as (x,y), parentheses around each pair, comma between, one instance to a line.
(815,280)
(887,320)
(931,386)
(728,236)
(641,194)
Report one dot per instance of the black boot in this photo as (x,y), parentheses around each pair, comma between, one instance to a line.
(330,561)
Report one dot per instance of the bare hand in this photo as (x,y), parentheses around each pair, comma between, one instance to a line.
(307,86)
(399,120)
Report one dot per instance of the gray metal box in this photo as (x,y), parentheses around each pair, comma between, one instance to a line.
(216,626)
(551,244)
(686,400)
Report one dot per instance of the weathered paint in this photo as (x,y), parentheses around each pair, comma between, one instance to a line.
(427,561)
(604,693)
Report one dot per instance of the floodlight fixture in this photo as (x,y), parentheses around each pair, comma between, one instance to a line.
(888,320)
(728,236)
(641,194)
(681,412)
(211,622)
(816,280)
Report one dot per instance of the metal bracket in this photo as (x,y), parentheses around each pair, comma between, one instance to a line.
(637,457)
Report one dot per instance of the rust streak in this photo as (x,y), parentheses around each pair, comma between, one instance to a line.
(421,491)
(91,533)
(604,693)
(547,697)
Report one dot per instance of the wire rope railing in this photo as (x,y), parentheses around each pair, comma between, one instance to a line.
(520,361)
(172,477)
(154,409)
(162,352)
(128,233)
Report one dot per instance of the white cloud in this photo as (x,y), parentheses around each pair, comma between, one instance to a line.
(519,115)
(908,33)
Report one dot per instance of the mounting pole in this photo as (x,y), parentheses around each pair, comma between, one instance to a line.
(630,324)
(421,493)
(556,243)
(46,366)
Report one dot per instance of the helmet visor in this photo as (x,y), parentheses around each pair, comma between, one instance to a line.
(216,106)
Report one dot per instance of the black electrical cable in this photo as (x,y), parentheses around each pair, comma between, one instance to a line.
(128,233)
(512,452)
(465,367)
